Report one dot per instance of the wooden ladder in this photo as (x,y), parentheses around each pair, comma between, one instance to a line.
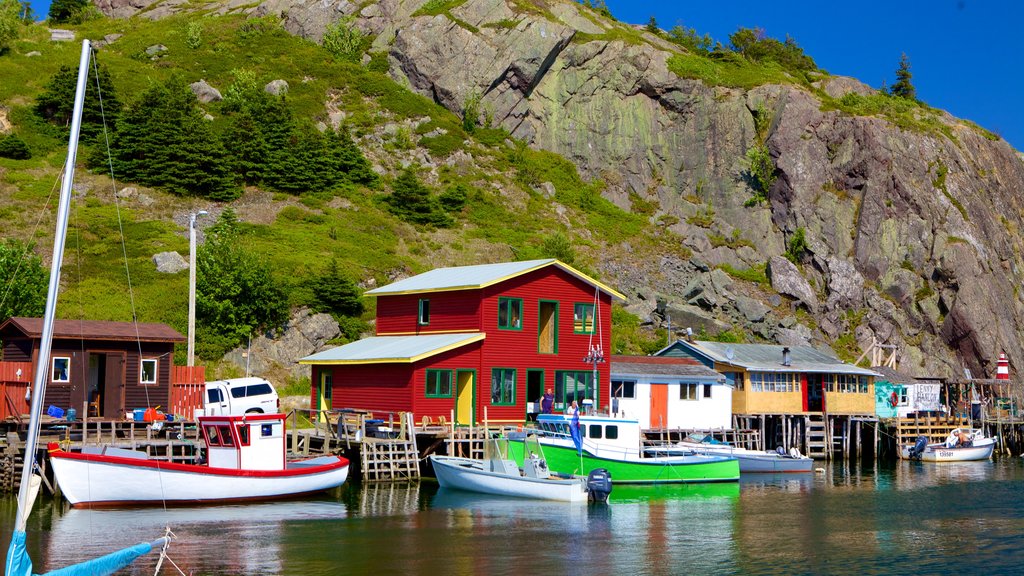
(817,437)
(391,459)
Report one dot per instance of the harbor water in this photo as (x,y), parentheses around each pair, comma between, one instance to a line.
(901,518)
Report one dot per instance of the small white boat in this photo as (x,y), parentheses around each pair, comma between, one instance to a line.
(779,460)
(962,445)
(245,462)
(499,475)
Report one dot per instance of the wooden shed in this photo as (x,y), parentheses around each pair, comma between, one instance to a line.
(113,367)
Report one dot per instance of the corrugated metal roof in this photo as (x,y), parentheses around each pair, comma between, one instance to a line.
(392,349)
(768,358)
(662,366)
(97,330)
(479,276)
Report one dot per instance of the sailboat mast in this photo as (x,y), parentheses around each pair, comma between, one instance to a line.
(42,371)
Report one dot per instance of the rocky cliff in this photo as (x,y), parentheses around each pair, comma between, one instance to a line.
(913,235)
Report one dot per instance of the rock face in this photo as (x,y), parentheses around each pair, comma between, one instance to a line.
(274,357)
(913,235)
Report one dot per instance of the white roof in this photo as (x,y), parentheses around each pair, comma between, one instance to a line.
(479,276)
(392,349)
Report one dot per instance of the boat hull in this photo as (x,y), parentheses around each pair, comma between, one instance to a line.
(468,475)
(94,480)
(751,461)
(942,453)
(693,468)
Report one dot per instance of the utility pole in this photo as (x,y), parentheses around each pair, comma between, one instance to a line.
(192,285)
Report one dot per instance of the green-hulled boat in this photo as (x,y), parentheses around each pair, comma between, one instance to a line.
(614,444)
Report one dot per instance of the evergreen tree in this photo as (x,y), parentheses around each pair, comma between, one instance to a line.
(63,11)
(454,198)
(411,201)
(348,160)
(23,280)
(903,87)
(246,147)
(652,26)
(336,293)
(164,140)
(57,101)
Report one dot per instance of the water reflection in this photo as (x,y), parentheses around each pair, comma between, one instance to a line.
(248,537)
(897,518)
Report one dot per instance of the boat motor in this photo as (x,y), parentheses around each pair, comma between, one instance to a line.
(918,448)
(599,485)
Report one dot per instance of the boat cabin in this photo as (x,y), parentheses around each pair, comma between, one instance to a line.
(618,435)
(251,442)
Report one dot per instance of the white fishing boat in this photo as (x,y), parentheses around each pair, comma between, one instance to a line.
(499,475)
(779,460)
(962,445)
(18,562)
(246,461)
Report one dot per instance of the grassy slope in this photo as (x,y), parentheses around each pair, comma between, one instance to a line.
(297,235)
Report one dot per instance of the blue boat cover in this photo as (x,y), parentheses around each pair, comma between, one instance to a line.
(19,563)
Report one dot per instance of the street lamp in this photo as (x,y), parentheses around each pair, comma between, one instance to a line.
(192,285)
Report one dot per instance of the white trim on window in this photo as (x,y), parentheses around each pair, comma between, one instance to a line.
(63,373)
(148,376)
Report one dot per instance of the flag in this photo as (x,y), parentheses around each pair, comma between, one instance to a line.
(574,431)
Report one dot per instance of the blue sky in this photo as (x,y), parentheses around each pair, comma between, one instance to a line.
(966,56)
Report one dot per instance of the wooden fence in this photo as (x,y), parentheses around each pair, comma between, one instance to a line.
(14,382)
(187,385)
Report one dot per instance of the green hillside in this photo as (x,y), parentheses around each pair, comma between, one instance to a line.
(507,214)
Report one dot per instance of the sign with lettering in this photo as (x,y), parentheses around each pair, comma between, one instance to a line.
(926,396)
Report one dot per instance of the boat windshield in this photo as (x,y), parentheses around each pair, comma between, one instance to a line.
(532,447)
(496,449)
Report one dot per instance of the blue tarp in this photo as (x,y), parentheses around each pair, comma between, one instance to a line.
(19,563)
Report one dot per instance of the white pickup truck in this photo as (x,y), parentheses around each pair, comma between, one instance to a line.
(240,396)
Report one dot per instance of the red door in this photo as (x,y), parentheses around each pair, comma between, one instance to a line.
(659,405)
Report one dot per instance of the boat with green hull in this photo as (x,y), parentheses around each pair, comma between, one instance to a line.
(614,444)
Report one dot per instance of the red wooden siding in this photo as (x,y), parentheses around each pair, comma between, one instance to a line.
(449,312)
(376,387)
(519,348)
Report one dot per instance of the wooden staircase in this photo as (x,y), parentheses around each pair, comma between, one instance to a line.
(818,437)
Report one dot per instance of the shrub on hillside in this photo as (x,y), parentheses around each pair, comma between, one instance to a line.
(14,148)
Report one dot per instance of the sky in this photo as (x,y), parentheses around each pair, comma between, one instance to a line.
(966,56)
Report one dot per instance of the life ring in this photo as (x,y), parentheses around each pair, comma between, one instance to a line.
(894,399)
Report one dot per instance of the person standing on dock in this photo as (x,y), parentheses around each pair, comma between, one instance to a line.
(547,402)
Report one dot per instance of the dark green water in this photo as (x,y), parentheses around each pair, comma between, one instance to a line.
(907,518)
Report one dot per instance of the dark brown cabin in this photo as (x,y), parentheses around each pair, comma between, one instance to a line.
(113,366)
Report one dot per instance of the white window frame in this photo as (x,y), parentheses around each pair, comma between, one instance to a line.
(693,393)
(142,371)
(67,369)
(619,393)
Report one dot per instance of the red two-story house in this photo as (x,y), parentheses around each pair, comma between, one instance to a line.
(453,342)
